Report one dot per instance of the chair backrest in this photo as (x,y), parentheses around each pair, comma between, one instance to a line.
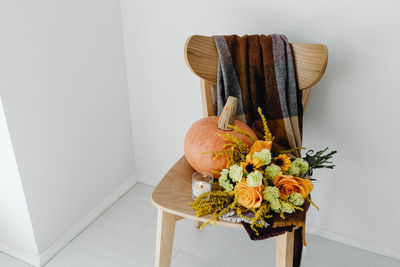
(202,58)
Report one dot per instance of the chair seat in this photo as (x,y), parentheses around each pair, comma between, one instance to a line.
(174,193)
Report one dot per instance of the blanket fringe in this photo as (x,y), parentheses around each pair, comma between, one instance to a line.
(293,223)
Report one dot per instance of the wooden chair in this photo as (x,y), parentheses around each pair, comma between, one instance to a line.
(173,193)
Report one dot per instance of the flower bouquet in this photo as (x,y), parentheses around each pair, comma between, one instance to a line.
(258,184)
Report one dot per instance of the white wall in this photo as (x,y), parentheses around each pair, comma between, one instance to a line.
(63,85)
(354,109)
(15,223)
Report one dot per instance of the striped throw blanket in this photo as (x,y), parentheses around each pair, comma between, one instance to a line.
(259,71)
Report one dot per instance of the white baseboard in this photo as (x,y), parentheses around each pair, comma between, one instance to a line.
(353,242)
(19,253)
(148,181)
(85,221)
(40,260)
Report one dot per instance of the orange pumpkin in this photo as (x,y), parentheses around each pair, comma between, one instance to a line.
(203,137)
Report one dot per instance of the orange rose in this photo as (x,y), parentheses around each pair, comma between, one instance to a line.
(260,145)
(249,197)
(288,184)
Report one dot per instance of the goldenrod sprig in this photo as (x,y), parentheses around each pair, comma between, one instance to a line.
(288,151)
(312,203)
(242,132)
(242,146)
(268,135)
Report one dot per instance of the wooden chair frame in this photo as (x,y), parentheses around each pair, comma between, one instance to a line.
(173,193)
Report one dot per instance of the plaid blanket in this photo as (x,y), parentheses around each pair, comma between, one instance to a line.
(259,71)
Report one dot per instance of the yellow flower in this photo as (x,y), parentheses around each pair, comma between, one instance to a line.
(283,161)
(251,164)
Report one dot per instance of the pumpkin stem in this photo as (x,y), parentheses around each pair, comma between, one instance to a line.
(228,114)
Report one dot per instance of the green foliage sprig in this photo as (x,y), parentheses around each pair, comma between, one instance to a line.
(318,159)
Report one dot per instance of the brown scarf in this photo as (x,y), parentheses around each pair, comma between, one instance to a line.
(259,71)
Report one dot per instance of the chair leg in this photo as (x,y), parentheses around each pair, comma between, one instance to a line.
(197,224)
(284,249)
(165,238)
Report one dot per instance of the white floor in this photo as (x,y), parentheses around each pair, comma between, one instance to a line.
(125,236)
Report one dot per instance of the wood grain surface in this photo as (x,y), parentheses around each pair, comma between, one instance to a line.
(202,58)
(174,193)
